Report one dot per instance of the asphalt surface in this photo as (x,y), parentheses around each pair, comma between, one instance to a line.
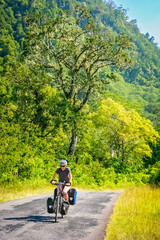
(27,219)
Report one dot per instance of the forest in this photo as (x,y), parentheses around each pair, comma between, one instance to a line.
(78,81)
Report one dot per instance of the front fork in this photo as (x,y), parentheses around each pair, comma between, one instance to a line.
(60,198)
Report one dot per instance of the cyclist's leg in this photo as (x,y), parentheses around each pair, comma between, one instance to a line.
(59,189)
(65,193)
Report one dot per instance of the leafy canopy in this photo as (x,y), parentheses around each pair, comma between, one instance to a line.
(74,51)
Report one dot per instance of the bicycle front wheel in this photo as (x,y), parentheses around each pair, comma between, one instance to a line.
(56,208)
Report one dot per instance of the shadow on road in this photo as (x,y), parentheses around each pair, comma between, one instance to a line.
(34,219)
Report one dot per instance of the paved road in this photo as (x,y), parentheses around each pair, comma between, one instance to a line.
(27,219)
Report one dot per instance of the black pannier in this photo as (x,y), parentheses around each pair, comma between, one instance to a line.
(50,205)
(55,192)
(72,193)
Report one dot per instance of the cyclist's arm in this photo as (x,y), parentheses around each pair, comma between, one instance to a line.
(55,174)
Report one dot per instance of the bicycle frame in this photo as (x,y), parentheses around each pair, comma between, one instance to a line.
(58,201)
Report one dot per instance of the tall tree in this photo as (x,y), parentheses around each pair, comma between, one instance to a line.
(126,134)
(77,55)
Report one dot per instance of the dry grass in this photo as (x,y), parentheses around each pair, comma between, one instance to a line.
(136,215)
(18,191)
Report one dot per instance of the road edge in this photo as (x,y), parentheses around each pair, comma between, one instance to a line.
(99,232)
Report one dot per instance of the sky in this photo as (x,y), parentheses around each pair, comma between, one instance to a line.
(147,14)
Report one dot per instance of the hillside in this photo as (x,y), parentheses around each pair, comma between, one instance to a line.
(55,90)
(144,75)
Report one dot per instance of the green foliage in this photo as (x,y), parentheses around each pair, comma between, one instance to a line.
(154,171)
(74,55)
(73,51)
(53,94)
(94,175)
(123,134)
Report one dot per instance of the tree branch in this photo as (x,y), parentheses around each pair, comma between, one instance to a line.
(86,97)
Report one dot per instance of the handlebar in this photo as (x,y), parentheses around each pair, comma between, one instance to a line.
(60,183)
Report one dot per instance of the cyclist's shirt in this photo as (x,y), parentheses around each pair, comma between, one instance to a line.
(63,175)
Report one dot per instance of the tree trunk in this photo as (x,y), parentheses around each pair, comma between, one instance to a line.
(72,147)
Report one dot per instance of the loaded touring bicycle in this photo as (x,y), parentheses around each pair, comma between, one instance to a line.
(57,204)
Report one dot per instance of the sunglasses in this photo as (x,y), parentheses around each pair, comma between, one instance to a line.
(63,166)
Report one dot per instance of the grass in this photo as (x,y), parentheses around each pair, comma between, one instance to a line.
(136,215)
(20,190)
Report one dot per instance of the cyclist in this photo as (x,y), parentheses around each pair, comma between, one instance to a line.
(65,174)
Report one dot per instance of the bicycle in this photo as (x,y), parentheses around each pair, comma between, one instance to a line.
(58,205)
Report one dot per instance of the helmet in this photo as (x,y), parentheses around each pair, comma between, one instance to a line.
(63,162)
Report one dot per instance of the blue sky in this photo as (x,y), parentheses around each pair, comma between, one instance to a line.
(147,14)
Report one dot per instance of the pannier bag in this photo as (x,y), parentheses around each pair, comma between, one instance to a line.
(64,208)
(50,205)
(72,193)
(55,193)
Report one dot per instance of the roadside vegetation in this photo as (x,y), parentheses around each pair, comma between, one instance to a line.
(23,190)
(136,215)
